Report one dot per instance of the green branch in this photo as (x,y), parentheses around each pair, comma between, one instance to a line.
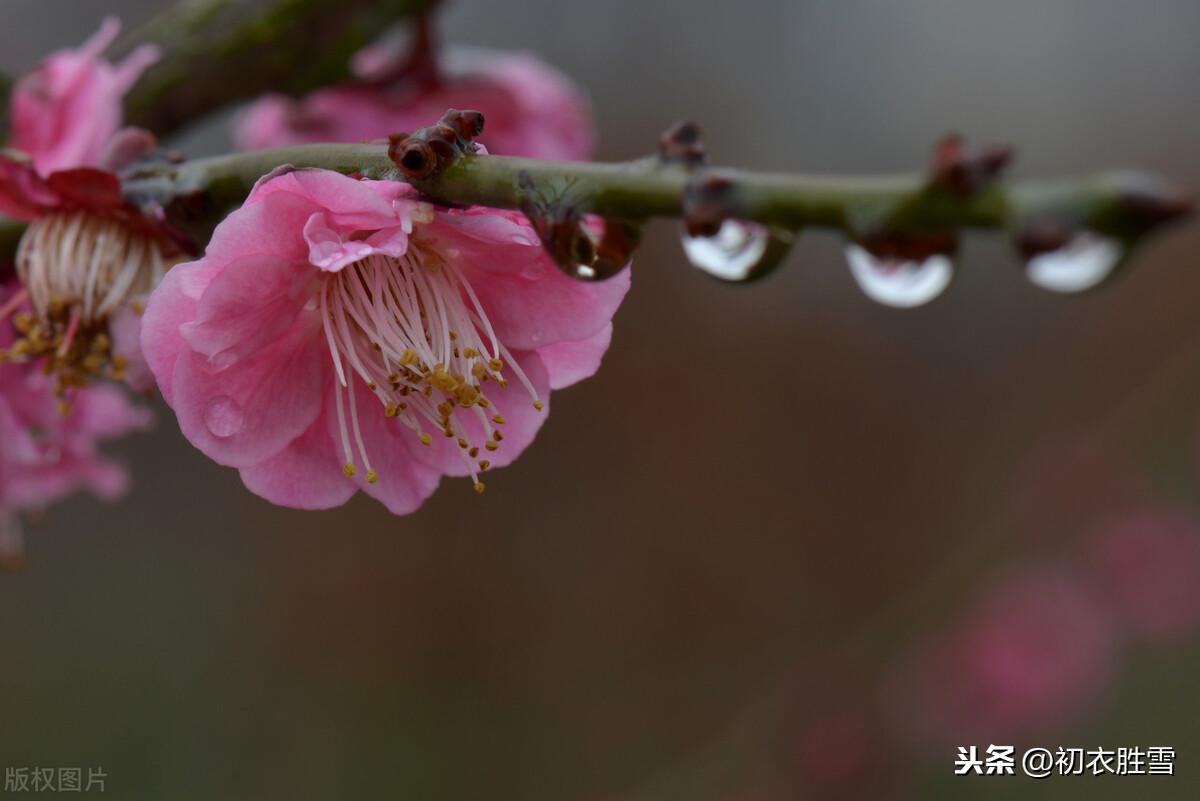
(1120,204)
(219,52)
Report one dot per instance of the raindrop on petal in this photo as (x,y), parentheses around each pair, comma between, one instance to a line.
(223,416)
(732,253)
(1079,265)
(899,283)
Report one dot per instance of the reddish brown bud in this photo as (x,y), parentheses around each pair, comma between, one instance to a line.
(1043,235)
(910,246)
(1150,201)
(707,203)
(965,169)
(682,144)
(414,157)
(427,151)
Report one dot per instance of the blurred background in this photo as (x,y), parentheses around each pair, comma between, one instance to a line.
(890,534)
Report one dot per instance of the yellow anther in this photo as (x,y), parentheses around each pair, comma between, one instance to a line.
(471,353)
(462,443)
(491,446)
(498,419)
(468,395)
(478,370)
(392,409)
(497,435)
(479,488)
(409,357)
(426,439)
(496,365)
(537,404)
(484,464)
(473,452)
(443,380)
(372,477)
(348,469)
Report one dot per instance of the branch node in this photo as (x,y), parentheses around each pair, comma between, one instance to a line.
(707,203)
(682,144)
(963,169)
(427,152)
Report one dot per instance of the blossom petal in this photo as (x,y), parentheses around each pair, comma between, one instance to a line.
(248,305)
(568,363)
(404,482)
(304,475)
(252,410)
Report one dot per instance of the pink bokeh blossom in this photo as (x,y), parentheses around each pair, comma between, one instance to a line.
(45,455)
(341,334)
(88,257)
(67,112)
(1027,658)
(531,108)
(1148,566)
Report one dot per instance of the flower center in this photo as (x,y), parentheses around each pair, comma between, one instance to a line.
(414,331)
(78,269)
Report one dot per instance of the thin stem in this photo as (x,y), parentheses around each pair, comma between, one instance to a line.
(637,190)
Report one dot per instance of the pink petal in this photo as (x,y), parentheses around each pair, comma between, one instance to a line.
(248,305)
(404,481)
(568,363)
(251,411)
(349,203)
(306,474)
(126,329)
(172,304)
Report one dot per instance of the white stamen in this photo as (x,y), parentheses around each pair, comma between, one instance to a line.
(414,331)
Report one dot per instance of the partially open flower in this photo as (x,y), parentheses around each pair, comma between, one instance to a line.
(87,261)
(531,108)
(46,455)
(342,334)
(67,111)
(88,257)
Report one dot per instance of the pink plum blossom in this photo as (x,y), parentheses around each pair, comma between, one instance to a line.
(531,108)
(1148,566)
(341,334)
(67,112)
(45,455)
(88,257)
(1026,658)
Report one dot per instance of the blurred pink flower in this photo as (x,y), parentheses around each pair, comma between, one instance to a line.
(46,455)
(1149,568)
(334,323)
(1028,657)
(531,108)
(66,113)
(86,262)
(88,257)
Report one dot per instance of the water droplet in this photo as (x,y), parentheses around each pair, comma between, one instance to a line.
(224,416)
(733,253)
(902,284)
(1079,265)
